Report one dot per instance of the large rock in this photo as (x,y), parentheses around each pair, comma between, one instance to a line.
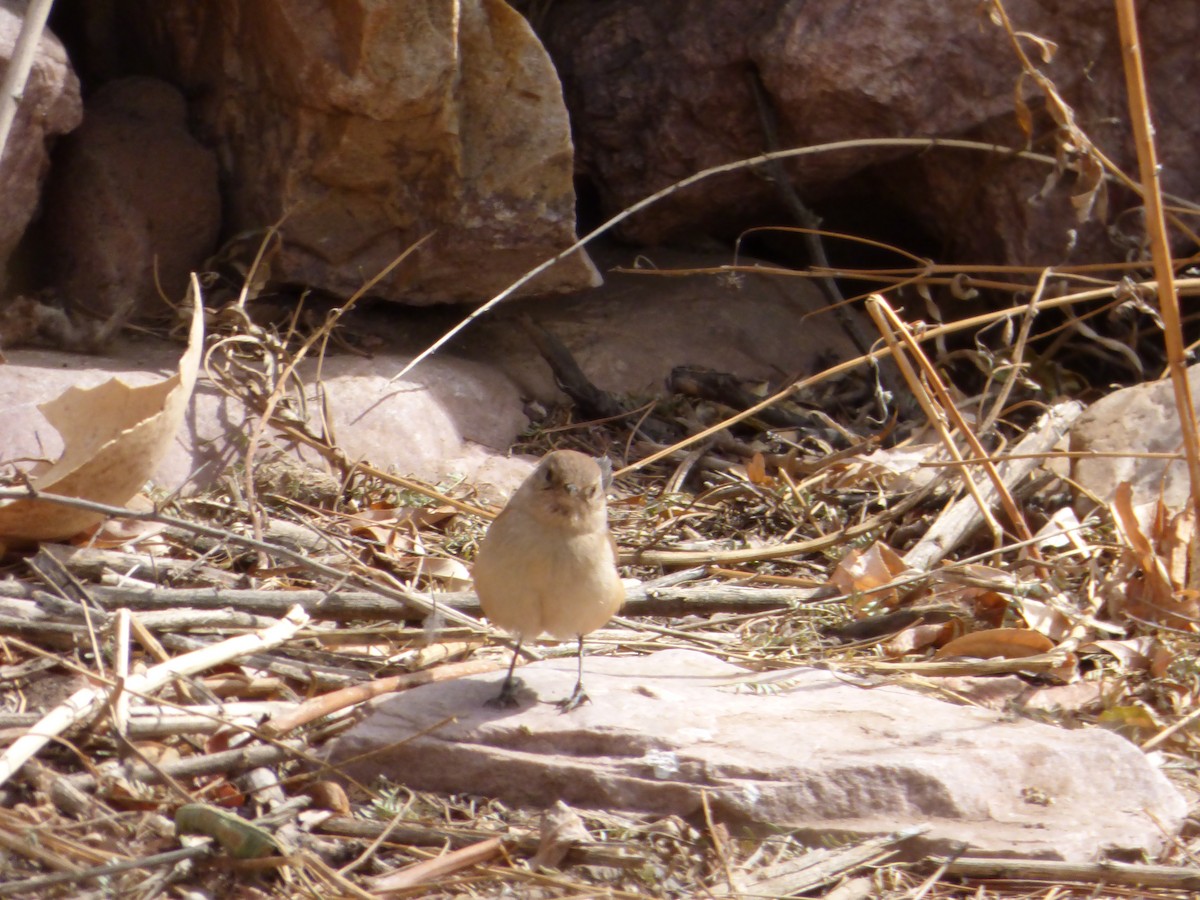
(132,206)
(50,106)
(362,126)
(628,334)
(659,91)
(817,755)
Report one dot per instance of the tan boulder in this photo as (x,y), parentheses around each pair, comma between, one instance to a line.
(363,126)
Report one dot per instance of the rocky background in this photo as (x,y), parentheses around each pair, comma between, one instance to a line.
(360,127)
(160,138)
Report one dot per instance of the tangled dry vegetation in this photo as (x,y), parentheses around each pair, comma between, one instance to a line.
(170,681)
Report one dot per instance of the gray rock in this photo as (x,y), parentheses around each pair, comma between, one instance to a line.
(816,754)
(628,334)
(458,412)
(448,421)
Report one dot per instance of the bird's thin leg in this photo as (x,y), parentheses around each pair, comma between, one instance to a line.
(578,696)
(507,698)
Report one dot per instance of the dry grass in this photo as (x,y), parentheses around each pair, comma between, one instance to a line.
(816,493)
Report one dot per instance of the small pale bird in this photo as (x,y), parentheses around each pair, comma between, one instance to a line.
(549,564)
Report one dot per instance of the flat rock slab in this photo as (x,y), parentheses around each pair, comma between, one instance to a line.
(812,753)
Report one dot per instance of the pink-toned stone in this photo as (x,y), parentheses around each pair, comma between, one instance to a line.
(132,206)
(813,753)
(628,334)
(363,126)
(50,106)
(449,422)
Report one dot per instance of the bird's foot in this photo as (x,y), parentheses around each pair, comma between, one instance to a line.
(507,698)
(577,699)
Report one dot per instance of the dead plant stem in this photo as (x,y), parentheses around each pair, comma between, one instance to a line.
(426,604)
(1168,300)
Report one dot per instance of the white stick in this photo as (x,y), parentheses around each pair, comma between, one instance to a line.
(13,86)
(81,704)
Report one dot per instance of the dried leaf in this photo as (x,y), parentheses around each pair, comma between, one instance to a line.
(863,570)
(1024,116)
(1161,659)
(237,837)
(918,637)
(756,470)
(899,460)
(1133,654)
(1130,528)
(562,829)
(1175,544)
(990,608)
(1008,643)
(1047,47)
(1043,618)
(1157,591)
(1091,201)
(114,436)
(1061,530)
(329,795)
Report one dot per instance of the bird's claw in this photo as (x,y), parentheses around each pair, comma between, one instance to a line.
(507,698)
(577,699)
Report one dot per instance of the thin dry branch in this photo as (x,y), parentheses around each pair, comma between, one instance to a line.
(223,762)
(928,144)
(946,404)
(195,607)
(1189,286)
(31,886)
(958,520)
(1160,251)
(84,702)
(420,601)
(1179,878)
